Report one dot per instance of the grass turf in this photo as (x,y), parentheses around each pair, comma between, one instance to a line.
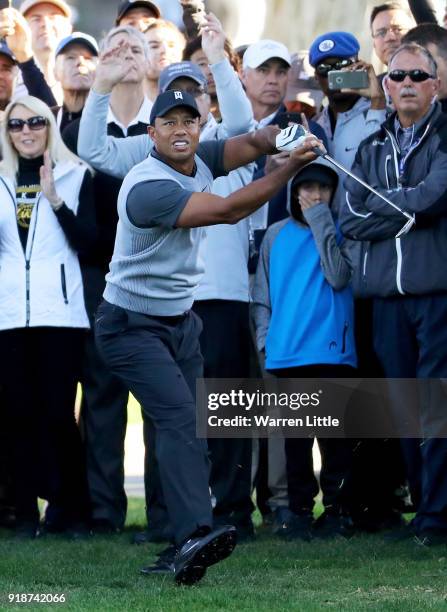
(363,573)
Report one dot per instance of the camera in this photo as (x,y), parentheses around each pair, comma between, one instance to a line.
(346,79)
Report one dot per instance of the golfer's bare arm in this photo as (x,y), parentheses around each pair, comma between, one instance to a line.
(207,209)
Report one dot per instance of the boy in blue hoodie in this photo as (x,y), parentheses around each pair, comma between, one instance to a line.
(303,314)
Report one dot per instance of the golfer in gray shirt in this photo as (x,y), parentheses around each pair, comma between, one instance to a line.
(145,329)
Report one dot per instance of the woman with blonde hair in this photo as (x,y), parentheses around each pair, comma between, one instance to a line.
(46,220)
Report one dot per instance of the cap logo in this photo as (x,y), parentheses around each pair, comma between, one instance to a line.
(178,95)
(326,45)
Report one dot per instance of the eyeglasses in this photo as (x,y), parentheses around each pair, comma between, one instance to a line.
(417,76)
(382,32)
(324,69)
(34,123)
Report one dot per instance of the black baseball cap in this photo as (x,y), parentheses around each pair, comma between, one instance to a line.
(172,99)
(319,171)
(130,4)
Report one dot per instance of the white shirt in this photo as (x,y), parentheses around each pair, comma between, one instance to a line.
(262,123)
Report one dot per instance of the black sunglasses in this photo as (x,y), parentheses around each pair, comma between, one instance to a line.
(324,69)
(417,76)
(34,123)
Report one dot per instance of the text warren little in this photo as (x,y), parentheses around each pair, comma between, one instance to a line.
(267,421)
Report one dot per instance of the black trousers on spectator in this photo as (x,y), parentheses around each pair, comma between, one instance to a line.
(378,470)
(225,347)
(158,359)
(410,338)
(336,453)
(7,511)
(39,371)
(104,420)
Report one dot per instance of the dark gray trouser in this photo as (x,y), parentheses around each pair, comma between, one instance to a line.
(158,359)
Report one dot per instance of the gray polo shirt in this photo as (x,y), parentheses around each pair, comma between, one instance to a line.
(155,266)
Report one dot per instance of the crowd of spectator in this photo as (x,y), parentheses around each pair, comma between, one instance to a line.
(324,280)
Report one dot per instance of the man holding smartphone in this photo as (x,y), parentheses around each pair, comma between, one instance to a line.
(352,114)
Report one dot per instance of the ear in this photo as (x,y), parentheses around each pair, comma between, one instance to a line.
(151,131)
(385,84)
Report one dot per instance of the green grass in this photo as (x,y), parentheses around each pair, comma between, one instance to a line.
(102,574)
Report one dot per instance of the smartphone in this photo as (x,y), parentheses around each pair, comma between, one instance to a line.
(345,79)
(5,4)
(284,119)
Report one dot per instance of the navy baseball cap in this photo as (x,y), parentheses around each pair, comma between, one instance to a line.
(181,70)
(333,44)
(80,38)
(170,99)
(130,4)
(5,50)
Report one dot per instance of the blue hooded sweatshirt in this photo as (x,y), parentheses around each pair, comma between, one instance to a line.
(302,300)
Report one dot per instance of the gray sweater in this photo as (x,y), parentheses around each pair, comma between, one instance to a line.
(155,269)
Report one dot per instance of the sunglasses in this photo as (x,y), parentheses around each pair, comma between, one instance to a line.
(417,76)
(34,123)
(324,69)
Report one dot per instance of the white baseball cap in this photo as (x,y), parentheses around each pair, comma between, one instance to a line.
(263,50)
(28,4)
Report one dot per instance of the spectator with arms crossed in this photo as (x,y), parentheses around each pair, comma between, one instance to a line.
(404,270)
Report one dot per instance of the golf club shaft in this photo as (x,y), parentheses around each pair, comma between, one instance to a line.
(359,180)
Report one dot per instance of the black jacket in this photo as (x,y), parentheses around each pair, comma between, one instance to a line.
(415,263)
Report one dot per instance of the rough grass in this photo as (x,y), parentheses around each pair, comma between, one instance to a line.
(102,574)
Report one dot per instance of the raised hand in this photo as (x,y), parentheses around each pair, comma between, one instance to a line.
(15,30)
(193,16)
(213,39)
(305,152)
(276,161)
(374,91)
(47,183)
(112,67)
